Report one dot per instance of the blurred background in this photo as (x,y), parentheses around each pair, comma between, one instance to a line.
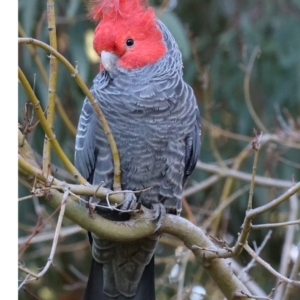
(224,44)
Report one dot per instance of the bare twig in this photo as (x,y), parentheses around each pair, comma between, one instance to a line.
(246,227)
(246,279)
(30,196)
(248,69)
(77,273)
(216,130)
(247,296)
(200,186)
(39,226)
(47,236)
(255,147)
(204,78)
(223,205)
(272,225)
(55,240)
(293,275)
(260,180)
(184,260)
(268,267)
(24,281)
(229,183)
(257,251)
(187,209)
(287,245)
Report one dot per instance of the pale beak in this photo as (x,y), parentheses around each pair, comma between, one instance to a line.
(108,60)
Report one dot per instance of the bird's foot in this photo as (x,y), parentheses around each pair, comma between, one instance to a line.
(159,214)
(129,204)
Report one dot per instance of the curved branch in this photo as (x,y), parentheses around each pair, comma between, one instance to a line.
(248,69)
(30,170)
(44,76)
(140,226)
(94,103)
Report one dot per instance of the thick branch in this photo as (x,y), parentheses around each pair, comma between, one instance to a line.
(30,172)
(140,226)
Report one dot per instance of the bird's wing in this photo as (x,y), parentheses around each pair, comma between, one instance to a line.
(85,150)
(192,147)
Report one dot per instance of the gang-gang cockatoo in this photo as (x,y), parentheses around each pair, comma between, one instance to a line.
(154,119)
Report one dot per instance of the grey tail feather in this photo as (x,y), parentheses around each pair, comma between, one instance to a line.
(94,289)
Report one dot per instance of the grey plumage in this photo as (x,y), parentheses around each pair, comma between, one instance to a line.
(154,119)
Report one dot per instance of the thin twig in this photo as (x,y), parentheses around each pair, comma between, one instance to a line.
(222,205)
(24,281)
(36,230)
(246,227)
(246,296)
(201,186)
(30,196)
(257,251)
(55,240)
(78,274)
(272,225)
(253,286)
(293,275)
(47,236)
(31,294)
(255,147)
(187,209)
(184,260)
(268,267)
(216,130)
(248,70)
(287,245)
(204,78)
(229,183)
(260,180)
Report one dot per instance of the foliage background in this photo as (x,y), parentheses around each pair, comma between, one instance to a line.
(215,34)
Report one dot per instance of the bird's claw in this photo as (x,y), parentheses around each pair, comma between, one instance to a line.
(159,213)
(129,202)
(158,209)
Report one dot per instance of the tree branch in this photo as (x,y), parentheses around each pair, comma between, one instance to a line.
(51,86)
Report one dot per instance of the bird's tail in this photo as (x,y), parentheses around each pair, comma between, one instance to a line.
(94,289)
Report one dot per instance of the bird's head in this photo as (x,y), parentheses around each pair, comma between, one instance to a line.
(127,35)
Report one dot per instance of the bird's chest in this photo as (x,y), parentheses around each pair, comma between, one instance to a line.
(150,134)
(146,140)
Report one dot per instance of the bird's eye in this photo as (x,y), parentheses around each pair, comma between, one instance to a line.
(129,42)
